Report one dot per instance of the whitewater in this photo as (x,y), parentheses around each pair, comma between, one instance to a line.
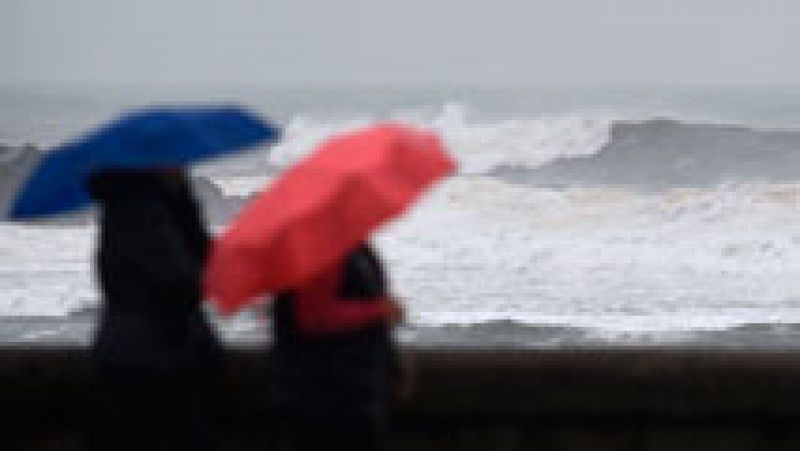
(581,225)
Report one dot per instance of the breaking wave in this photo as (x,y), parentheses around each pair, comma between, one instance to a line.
(666,153)
(584,149)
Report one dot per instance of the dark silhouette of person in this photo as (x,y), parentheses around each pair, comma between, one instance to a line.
(333,360)
(157,359)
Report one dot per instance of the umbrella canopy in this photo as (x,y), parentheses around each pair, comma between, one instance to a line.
(159,136)
(320,209)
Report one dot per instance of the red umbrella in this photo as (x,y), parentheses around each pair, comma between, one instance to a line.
(320,209)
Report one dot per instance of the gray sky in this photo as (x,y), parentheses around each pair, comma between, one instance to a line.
(403,41)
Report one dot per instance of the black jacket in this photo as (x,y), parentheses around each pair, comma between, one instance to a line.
(151,252)
(344,374)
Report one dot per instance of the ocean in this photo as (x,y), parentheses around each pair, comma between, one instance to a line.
(590,215)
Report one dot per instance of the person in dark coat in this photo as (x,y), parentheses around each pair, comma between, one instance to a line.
(333,360)
(156,357)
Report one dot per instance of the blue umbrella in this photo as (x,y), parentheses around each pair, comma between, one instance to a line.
(153,137)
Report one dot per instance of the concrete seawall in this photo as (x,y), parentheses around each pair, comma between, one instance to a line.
(562,399)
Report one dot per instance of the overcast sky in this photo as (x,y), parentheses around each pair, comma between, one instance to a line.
(404,41)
